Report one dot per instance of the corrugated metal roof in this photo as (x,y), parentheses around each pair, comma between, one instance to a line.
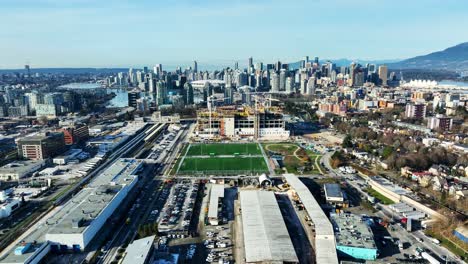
(266,237)
(325,245)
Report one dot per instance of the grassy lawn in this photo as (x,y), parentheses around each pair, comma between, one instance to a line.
(294,157)
(379,196)
(220,165)
(283,148)
(224,149)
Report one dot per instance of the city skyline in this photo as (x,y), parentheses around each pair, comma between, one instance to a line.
(82,33)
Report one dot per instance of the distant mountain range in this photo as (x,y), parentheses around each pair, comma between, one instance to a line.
(345,62)
(454,59)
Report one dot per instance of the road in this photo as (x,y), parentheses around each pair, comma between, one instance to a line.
(47,214)
(148,196)
(385,211)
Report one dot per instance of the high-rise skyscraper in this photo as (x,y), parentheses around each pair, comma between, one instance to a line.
(188,90)
(311,86)
(278,65)
(383,73)
(28,70)
(259,66)
(195,66)
(250,65)
(282,80)
(158,70)
(289,85)
(133,96)
(161,93)
(275,82)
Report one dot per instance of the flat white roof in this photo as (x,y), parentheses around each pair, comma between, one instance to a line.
(325,244)
(266,238)
(137,252)
(217,191)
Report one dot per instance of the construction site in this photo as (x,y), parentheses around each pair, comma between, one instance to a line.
(241,122)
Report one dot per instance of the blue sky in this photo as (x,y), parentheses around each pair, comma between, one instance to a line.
(101,33)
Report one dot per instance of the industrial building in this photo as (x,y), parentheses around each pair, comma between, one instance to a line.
(241,122)
(8,206)
(407,211)
(325,246)
(354,238)
(63,159)
(39,147)
(84,215)
(216,195)
(20,169)
(79,220)
(140,251)
(333,194)
(266,238)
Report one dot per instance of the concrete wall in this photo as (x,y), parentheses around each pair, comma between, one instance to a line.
(401,198)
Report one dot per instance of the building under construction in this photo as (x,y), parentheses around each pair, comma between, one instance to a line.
(241,122)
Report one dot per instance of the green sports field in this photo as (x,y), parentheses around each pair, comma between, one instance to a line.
(215,165)
(223,159)
(224,149)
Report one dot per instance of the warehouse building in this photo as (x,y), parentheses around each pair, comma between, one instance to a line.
(63,159)
(216,195)
(354,238)
(325,246)
(266,238)
(20,169)
(139,251)
(82,217)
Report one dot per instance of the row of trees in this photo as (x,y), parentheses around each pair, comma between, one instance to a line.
(149,229)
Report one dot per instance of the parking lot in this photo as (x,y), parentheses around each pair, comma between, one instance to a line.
(177,213)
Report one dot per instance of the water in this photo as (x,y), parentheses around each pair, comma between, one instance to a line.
(453,83)
(82,86)
(120,99)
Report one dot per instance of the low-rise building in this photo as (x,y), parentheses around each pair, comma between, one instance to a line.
(8,206)
(216,195)
(266,238)
(140,251)
(354,238)
(333,194)
(20,169)
(67,156)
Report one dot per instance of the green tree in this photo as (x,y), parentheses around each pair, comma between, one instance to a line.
(347,142)
(387,151)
